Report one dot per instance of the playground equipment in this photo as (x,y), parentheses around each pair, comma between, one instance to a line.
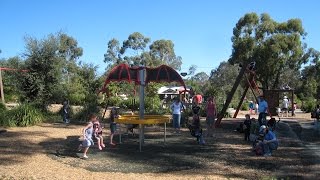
(271,96)
(148,120)
(142,76)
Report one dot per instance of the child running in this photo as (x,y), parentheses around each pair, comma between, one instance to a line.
(87,136)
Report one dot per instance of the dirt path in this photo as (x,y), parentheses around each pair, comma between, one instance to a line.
(49,152)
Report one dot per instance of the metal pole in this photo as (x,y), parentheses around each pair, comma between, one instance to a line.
(165,132)
(141,105)
(1,89)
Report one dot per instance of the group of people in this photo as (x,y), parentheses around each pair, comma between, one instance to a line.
(195,127)
(263,138)
(261,133)
(93,130)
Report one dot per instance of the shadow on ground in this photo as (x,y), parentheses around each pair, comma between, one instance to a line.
(225,154)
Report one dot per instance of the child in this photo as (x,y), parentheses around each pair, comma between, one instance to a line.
(113,125)
(247,125)
(97,134)
(253,130)
(87,136)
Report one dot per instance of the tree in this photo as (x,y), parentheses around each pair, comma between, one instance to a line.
(10,83)
(222,80)
(54,72)
(44,70)
(192,69)
(136,52)
(162,51)
(273,46)
(201,77)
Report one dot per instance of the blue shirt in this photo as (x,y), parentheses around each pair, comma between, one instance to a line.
(269,136)
(251,105)
(263,106)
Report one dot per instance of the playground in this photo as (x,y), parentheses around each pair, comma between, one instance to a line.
(49,151)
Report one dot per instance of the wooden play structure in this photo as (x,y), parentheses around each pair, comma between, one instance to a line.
(271,96)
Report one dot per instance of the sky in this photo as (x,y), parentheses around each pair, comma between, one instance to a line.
(200,30)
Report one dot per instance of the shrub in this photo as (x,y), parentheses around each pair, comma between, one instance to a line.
(245,106)
(22,115)
(83,114)
(309,105)
(2,107)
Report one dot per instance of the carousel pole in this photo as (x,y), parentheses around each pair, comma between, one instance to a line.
(141,105)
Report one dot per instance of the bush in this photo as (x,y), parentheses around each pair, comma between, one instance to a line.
(23,115)
(245,106)
(83,114)
(2,107)
(309,105)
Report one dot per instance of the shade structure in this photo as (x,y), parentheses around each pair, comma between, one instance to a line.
(123,72)
(142,76)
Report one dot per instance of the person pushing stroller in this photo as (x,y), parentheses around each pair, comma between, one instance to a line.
(195,128)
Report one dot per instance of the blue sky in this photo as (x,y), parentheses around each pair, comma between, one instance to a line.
(201,30)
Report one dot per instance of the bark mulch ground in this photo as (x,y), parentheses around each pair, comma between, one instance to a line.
(50,151)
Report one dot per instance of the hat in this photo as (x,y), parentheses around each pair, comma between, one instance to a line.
(263,127)
(285,97)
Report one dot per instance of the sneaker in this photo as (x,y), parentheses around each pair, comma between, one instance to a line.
(102,145)
(85,157)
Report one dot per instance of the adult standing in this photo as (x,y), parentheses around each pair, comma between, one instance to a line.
(285,106)
(65,111)
(197,98)
(211,111)
(262,109)
(176,109)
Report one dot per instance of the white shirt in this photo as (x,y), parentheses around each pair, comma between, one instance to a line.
(285,103)
(176,108)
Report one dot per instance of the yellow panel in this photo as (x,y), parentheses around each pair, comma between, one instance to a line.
(148,119)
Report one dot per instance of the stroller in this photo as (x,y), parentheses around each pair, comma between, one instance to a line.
(196,130)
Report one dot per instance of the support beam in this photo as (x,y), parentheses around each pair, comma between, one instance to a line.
(241,101)
(230,95)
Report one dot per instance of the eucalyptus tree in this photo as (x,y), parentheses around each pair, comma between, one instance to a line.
(162,52)
(274,46)
(222,80)
(138,50)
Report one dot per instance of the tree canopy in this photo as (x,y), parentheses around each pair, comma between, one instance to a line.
(274,46)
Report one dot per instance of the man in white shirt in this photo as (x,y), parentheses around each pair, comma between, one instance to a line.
(285,106)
